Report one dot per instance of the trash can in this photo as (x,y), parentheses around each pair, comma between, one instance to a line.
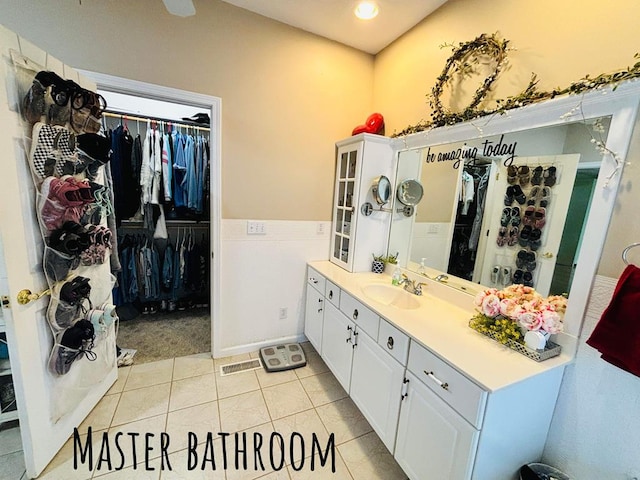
(540,471)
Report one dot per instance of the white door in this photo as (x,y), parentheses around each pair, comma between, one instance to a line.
(554,216)
(49,406)
(338,338)
(314,315)
(376,381)
(434,442)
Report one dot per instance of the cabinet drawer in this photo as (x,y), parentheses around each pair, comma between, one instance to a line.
(453,387)
(315,279)
(366,319)
(393,341)
(332,292)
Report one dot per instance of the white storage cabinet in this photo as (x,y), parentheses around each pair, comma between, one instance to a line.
(355,237)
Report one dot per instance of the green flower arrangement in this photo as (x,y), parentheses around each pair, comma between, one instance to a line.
(500,328)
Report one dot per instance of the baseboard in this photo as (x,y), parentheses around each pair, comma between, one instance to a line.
(254,347)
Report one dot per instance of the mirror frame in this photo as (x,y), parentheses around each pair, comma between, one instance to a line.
(381,190)
(621,104)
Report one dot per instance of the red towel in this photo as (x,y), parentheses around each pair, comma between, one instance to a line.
(617,334)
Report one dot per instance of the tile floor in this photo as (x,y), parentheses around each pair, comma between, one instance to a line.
(187,394)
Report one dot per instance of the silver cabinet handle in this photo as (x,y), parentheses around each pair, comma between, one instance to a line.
(442,384)
(313,280)
(390,343)
(355,313)
(349,329)
(330,294)
(320,306)
(355,335)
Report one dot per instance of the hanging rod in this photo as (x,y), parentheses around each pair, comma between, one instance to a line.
(126,116)
(626,250)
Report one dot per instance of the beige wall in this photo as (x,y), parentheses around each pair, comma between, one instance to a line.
(560,41)
(287,95)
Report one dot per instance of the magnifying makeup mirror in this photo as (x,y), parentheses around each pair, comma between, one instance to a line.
(381,190)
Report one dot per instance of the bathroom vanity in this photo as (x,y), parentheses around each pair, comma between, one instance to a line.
(447,402)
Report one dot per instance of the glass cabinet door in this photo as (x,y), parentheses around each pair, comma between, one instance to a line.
(344,215)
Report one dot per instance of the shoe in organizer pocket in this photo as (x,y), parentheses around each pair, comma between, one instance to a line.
(550,176)
(524,175)
(57,265)
(505,276)
(534,241)
(57,204)
(43,138)
(536,178)
(94,151)
(33,103)
(512,238)
(67,302)
(71,345)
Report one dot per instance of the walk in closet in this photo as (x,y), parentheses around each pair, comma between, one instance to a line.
(161,181)
(470,210)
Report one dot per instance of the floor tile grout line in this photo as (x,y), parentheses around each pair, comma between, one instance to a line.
(262,389)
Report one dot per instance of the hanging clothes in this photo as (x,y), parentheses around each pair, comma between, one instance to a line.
(166,167)
(179,169)
(481,197)
(179,271)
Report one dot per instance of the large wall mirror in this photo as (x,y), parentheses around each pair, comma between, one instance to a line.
(524,199)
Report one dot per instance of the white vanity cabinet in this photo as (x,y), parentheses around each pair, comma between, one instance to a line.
(450,428)
(367,365)
(314,310)
(338,338)
(355,237)
(376,384)
(439,414)
(434,440)
(372,377)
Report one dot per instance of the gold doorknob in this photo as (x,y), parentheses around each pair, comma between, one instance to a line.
(547,255)
(25,296)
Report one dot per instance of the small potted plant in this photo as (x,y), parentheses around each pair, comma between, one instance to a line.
(392,259)
(379,261)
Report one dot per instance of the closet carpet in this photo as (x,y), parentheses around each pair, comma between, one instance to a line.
(166,334)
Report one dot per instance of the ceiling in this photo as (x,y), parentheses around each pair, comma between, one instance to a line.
(334,19)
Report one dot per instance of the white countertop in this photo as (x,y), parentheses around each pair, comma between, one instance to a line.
(441,325)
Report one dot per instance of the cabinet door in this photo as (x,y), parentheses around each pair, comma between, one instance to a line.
(376,381)
(433,441)
(337,340)
(313,318)
(344,204)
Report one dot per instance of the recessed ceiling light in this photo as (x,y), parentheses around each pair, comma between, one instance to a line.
(366,10)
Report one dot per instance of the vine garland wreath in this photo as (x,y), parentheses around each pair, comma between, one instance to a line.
(468,54)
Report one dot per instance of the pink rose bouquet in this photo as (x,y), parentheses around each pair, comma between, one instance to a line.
(505,313)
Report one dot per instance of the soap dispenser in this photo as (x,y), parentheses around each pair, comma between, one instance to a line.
(421,269)
(396,279)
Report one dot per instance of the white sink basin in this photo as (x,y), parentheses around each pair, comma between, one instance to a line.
(391,295)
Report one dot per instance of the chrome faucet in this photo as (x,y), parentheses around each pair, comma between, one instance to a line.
(411,286)
(442,278)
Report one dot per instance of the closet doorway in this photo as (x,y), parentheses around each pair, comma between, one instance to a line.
(174,323)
